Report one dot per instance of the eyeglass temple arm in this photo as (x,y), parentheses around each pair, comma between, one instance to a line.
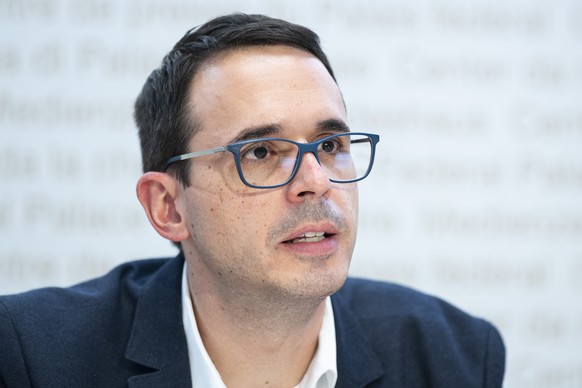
(364,140)
(191,155)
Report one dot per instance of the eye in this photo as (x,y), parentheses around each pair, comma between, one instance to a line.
(330,146)
(257,152)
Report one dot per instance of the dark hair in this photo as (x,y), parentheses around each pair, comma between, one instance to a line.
(161,115)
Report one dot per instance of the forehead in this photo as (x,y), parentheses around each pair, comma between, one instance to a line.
(261,86)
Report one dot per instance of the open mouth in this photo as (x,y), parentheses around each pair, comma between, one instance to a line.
(309,237)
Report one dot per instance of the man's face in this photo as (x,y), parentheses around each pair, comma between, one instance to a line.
(245,239)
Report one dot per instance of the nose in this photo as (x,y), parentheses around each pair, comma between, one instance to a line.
(310,180)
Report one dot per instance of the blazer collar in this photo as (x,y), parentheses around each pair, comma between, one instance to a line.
(157,339)
(357,362)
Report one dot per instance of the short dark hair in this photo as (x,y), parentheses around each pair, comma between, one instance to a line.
(165,128)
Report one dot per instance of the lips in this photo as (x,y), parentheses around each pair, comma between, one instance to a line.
(311,234)
(312,241)
(308,237)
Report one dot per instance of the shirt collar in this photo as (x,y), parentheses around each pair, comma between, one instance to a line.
(322,372)
(202,370)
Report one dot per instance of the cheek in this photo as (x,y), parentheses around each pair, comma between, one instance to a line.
(224,205)
(347,197)
(236,217)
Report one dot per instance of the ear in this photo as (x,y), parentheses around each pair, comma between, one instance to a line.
(157,192)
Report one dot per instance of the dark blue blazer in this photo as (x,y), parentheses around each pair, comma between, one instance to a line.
(125,329)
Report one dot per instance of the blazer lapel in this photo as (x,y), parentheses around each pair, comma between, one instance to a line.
(157,339)
(357,363)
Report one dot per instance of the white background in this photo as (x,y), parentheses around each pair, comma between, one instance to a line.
(476,195)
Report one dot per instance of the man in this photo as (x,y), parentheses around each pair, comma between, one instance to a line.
(251,168)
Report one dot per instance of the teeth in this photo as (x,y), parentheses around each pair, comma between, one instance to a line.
(309,237)
(314,234)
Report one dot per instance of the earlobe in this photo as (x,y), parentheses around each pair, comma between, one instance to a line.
(157,193)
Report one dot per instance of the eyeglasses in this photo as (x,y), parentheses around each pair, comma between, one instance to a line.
(272,162)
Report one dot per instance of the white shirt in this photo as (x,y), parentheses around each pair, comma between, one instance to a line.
(322,372)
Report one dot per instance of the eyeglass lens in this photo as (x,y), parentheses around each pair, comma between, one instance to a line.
(344,157)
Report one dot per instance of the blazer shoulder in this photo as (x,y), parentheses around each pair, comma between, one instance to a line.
(130,276)
(372,299)
(49,334)
(426,332)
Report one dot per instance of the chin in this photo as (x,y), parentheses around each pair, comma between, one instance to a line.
(320,284)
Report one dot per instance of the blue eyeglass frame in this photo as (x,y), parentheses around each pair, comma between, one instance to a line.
(234,149)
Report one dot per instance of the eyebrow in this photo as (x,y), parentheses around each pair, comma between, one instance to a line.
(270,130)
(334,125)
(258,132)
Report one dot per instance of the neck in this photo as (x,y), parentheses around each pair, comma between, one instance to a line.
(255,338)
